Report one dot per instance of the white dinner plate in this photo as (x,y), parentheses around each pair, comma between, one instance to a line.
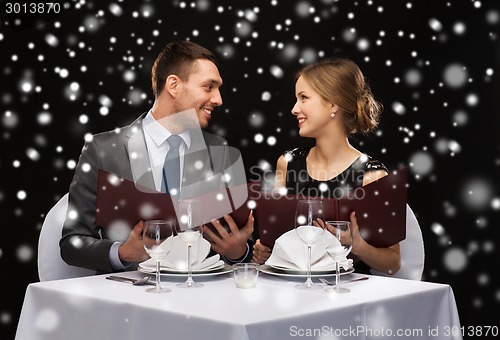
(226,268)
(152,269)
(296,273)
(297,270)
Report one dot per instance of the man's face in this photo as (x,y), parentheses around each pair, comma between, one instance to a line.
(201,91)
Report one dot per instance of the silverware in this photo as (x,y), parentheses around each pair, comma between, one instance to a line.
(326,282)
(135,282)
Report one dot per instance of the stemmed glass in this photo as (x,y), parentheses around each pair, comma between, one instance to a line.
(154,238)
(342,231)
(189,229)
(309,225)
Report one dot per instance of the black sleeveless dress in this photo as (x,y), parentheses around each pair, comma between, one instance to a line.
(298,181)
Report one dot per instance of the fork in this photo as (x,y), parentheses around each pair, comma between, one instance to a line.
(326,282)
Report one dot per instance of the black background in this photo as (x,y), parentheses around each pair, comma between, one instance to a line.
(445,77)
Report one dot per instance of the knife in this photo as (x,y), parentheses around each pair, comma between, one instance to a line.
(135,282)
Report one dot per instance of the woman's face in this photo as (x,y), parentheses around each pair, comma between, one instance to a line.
(311,110)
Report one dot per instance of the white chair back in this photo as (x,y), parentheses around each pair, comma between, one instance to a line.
(50,264)
(412,251)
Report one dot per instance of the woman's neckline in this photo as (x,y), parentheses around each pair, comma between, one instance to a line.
(333,178)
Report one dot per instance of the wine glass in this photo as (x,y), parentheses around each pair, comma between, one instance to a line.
(189,229)
(309,225)
(154,238)
(342,231)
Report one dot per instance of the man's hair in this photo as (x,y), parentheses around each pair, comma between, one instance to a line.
(178,58)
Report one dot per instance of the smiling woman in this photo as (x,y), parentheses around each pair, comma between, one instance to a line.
(333,102)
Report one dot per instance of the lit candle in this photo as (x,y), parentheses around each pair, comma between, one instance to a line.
(246,274)
(245,282)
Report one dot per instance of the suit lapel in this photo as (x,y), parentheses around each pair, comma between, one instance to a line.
(138,154)
(197,165)
(198,175)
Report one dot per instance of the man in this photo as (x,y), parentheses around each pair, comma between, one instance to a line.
(185,82)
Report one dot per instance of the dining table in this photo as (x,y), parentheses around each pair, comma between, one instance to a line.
(94,307)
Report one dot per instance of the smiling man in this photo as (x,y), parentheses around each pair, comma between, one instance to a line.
(186,83)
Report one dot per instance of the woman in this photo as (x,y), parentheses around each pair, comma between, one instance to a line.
(333,102)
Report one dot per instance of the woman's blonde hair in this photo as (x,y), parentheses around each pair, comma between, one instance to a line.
(341,82)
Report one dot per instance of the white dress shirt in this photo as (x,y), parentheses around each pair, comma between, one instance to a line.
(156,142)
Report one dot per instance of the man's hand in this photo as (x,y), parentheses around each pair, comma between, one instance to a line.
(133,249)
(260,252)
(232,244)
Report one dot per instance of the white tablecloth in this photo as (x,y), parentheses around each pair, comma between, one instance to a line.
(96,308)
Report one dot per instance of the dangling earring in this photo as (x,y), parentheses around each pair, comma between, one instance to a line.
(332,115)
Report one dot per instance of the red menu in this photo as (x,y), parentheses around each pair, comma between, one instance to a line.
(121,201)
(380,210)
(380,207)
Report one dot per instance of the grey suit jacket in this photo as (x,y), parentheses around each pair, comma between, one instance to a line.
(124,153)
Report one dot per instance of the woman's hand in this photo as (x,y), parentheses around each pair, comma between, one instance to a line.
(359,243)
(387,260)
(260,252)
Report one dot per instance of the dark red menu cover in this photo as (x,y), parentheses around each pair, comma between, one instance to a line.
(122,202)
(380,210)
(380,207)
